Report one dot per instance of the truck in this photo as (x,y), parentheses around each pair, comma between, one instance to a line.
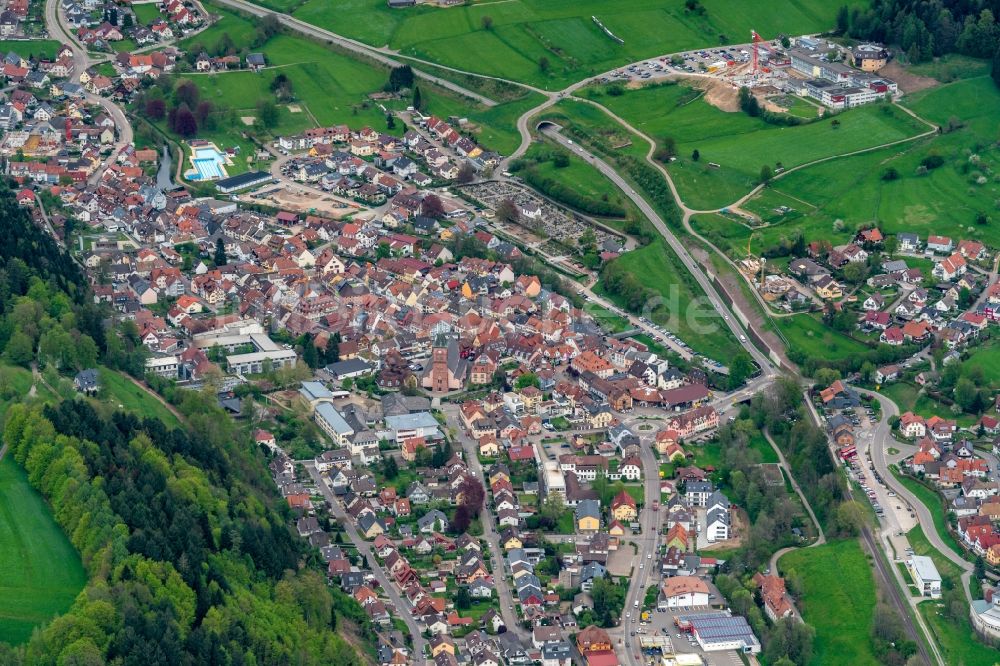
(645,616)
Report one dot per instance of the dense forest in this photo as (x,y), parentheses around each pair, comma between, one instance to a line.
(188,550)
(926,29)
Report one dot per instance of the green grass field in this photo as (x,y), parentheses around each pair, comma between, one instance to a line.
(950,67)
(599,130)
(741,145)
(838,600)
(331,88)
(121,392)
(987,356)
(240,29)
(807,333)
(943,201)
(41,572)
(578,175)
(525,31)
(698,325)
(909,399)
(30,48)
(933,502)
(955,637)
(146,14)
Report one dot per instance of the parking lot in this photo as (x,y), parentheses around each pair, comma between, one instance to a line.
(706,61)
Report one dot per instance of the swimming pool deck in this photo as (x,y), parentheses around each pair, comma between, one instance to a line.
(208,162)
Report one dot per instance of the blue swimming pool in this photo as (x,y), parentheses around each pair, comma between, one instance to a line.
(209,164)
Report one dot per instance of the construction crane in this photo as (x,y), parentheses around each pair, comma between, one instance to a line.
(756,41)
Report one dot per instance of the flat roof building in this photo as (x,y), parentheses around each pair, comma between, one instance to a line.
(720,631)
(408,426)
(243,181)
(253,363)
(925,575)
(315,392)
(333,424)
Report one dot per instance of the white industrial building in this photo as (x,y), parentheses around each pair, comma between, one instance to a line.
(925,575)
(716,632)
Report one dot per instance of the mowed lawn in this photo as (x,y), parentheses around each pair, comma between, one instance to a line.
(525,31)
(30,48)
(147,13)
(838,600)
(733,147)
(40,572)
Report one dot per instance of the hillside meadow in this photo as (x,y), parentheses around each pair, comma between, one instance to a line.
(521,33)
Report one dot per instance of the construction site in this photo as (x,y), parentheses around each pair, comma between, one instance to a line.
(781,74)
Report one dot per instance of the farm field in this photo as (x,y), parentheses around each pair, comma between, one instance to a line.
(525,31)
(838,600)
(741,145)
(42,573)
(945,200)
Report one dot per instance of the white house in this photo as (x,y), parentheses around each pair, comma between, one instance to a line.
(685,592)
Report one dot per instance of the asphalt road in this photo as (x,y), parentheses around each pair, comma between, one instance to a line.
(81,61)
(402,608)
(689,263)
(490,533)
(881,441)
